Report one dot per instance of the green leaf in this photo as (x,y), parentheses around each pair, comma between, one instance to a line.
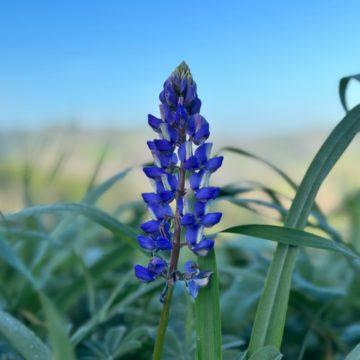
(316,211)
(60,343)
(10,256)
(294,237)
(267,353)
(266,162)
(22,339)
(343,84)
(91,212)
(96,192)
(271,314)
(207,310)
(355,353)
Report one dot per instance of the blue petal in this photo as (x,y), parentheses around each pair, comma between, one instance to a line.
(187,219)
(193,288)
(190,94)
(213,164)
(202,278)
(151,198)
(163,145)
(151,145)
(210,219)
(164,160)
(181,114)
(162,96)
(199,208)
(191,267)
(146,242)
(183,85)
(154,122)
(185,151)
(160,211)
(169,133)
(170,95)
(203,247)
(167,114)
(195,106)
(195,180)
(201,135)
(166,196)
(163,243)
(203,152)
(157,266)
(150,226)
(170,182)
(153,172)
(193,234)
(191,163)
(207,193)
(143,273)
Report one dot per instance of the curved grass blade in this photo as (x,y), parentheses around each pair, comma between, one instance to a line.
(10,256)
(294,237)
(96,192)
(267,353)
(270,317)
(97,168)
(60,343)
(91,212)
(266,162)
(316,209)
(22,339)
(343,84)
(207,309)
(355,353)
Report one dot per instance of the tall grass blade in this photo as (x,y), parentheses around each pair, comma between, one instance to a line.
(207,312)
(22,339)
(294,237)
(60,343)
(343,84)
(355,354)
(91,212)
(270,317)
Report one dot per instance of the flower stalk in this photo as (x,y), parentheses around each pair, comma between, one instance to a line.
(181,173)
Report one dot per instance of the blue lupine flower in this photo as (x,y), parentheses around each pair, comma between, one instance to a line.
(195,279)
(180,175)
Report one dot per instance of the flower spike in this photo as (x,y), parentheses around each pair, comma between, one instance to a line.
(180,177)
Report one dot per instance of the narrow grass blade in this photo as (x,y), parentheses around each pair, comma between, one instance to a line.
(10,256)
(266,162)
(355,354)
(97,168)
(91,212)
(60,343)
(271,314)
(22,339)
(96,192)
(267,353)
(316,209)
(343,84)
(294,237)
(207,310)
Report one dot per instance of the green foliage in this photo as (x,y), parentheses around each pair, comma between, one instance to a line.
(67,289)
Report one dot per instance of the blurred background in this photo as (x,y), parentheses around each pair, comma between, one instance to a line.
(77,80)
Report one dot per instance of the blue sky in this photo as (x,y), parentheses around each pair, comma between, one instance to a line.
(261,66)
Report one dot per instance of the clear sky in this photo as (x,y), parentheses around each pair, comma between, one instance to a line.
(261,66)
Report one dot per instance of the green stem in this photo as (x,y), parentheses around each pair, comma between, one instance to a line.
(174,258)
(164,318)
(271,313)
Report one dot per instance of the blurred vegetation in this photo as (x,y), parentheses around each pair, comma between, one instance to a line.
(67,268)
